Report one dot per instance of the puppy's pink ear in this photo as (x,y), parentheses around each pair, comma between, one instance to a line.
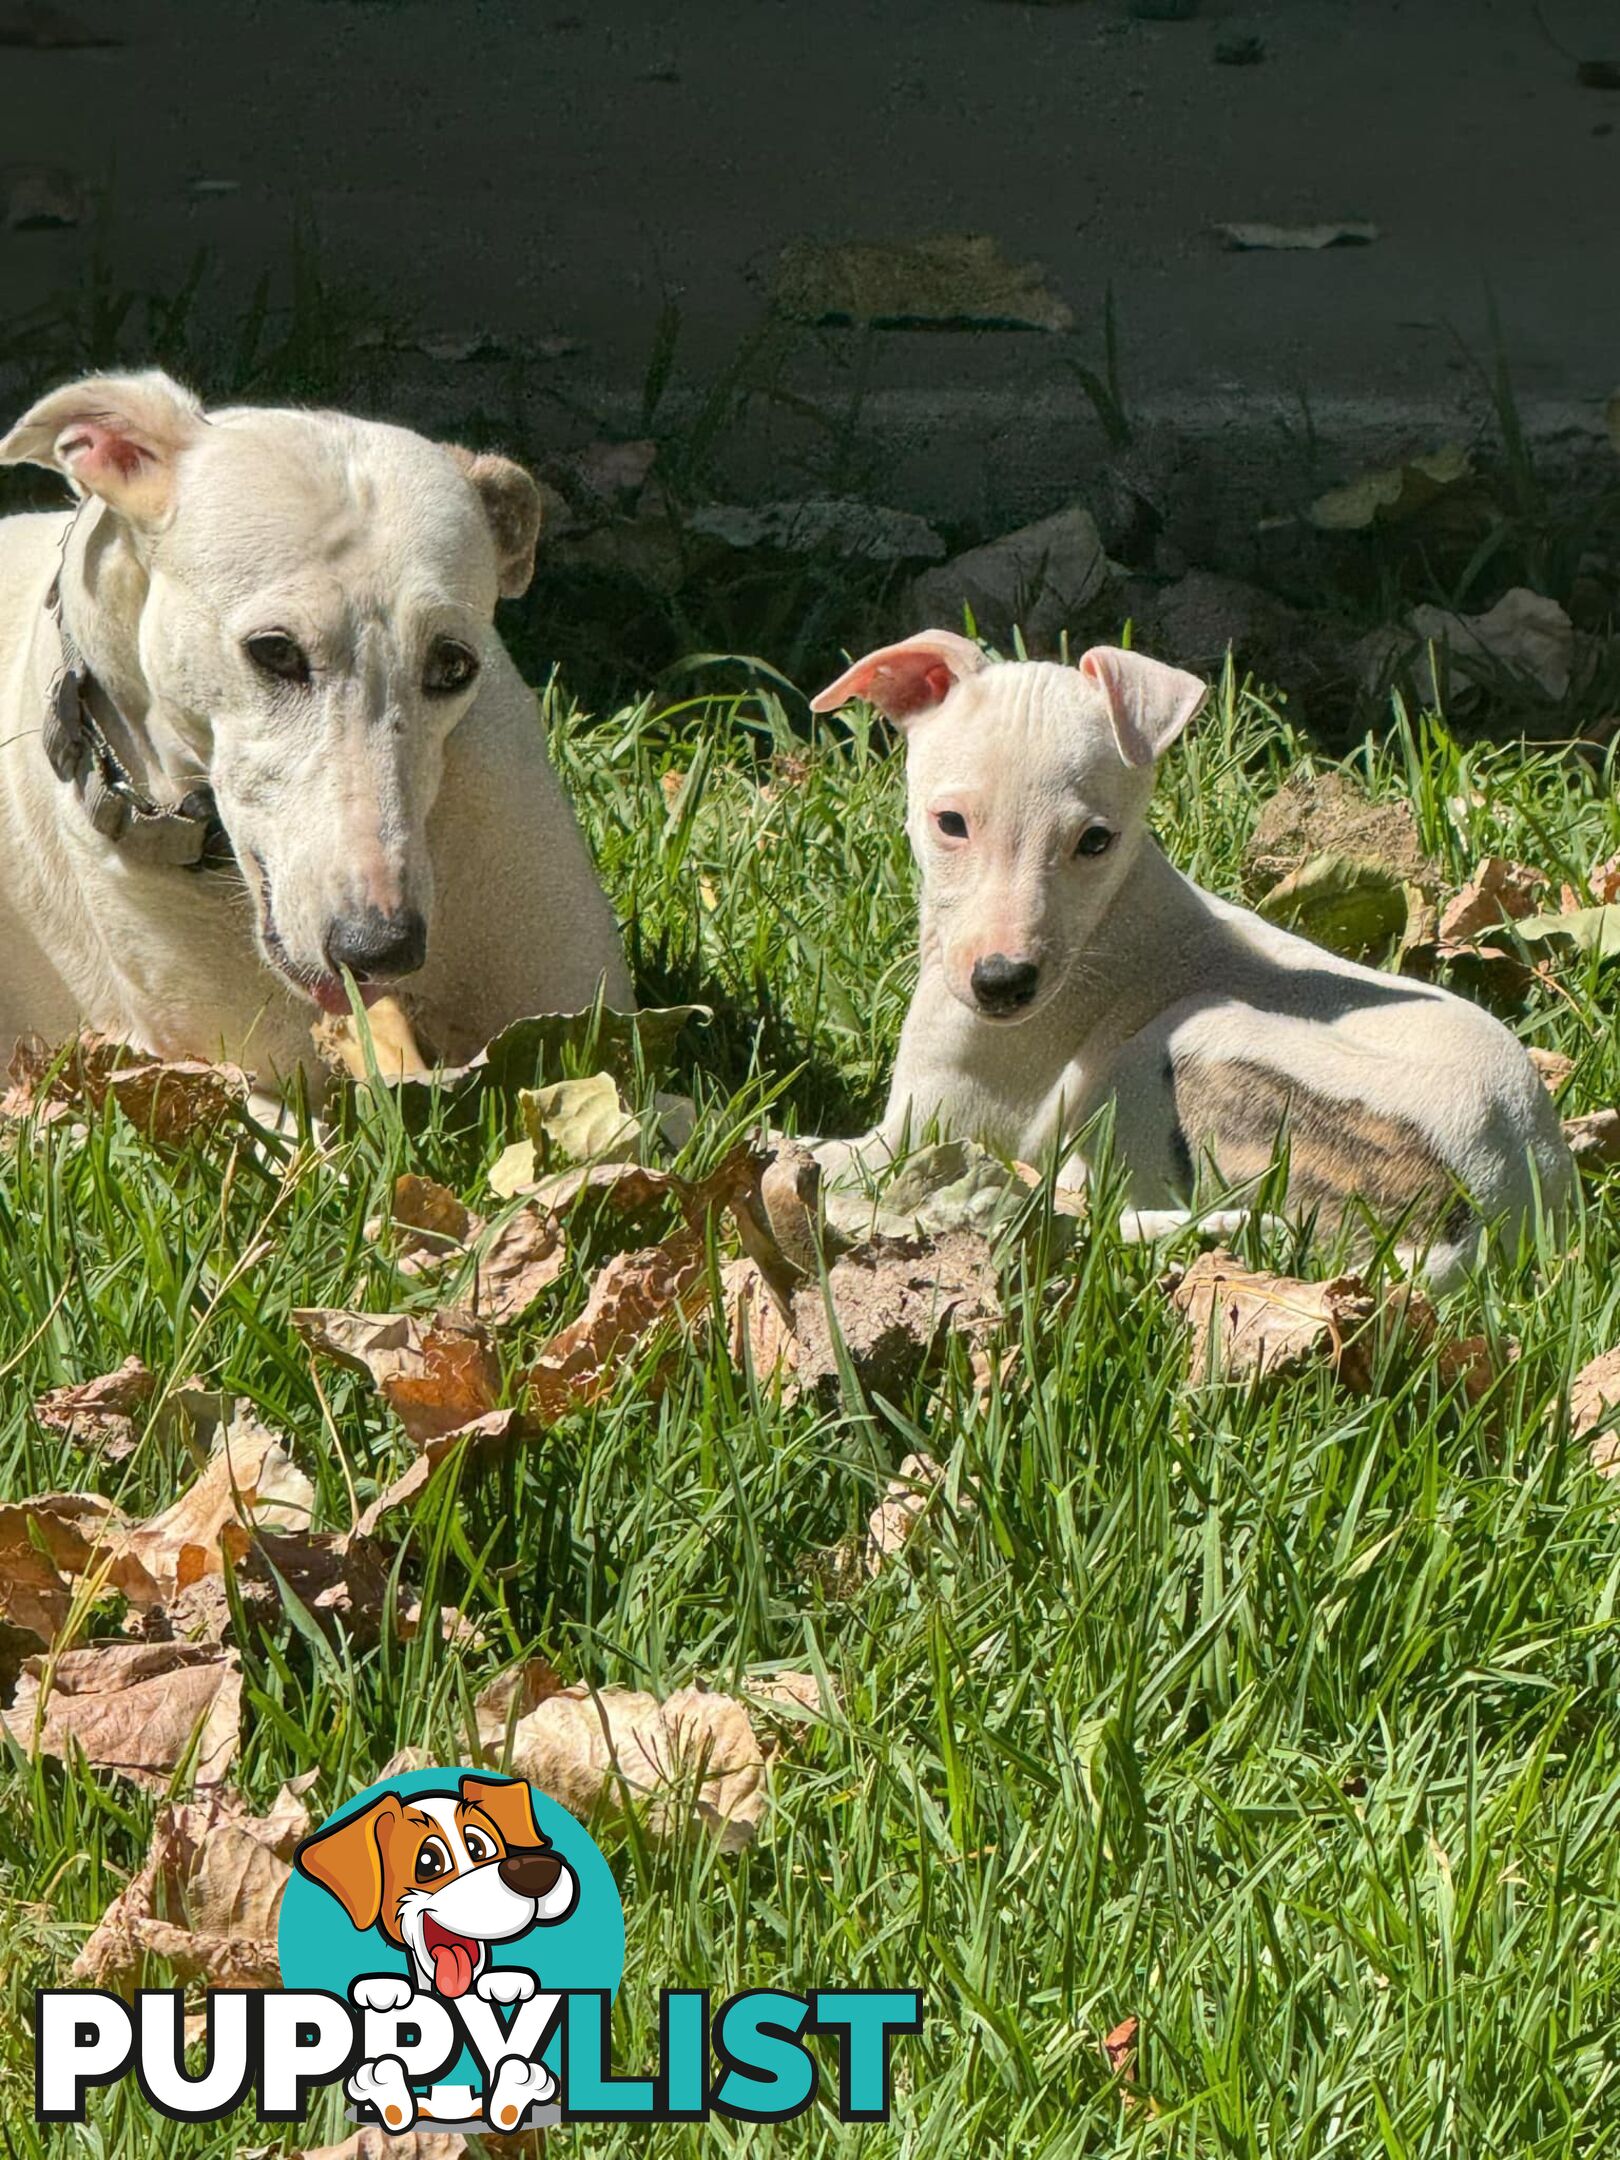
(116,436)
(907,680)
(1148,702)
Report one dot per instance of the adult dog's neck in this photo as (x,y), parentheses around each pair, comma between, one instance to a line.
(104,590)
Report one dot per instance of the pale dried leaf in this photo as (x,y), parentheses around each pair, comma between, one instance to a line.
(100,1414)
(1247,1324)
(1594,1138)
(1393,494)
(1294,239)
(1525,634)
(1555,1069)
(1497,893)
(1593,1394)
(438,1375)
(694,1754)
(512,1695)
(168,1102)
(579,1121)
(1604,881)
(909,1502)
(206,1898)
(372,2142)
(524,1256)
(138,1709)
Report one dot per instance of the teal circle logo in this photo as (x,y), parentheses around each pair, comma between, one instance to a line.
(455,1884)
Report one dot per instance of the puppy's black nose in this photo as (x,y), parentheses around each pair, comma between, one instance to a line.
(375,947)
(533,1871)
(1004,986)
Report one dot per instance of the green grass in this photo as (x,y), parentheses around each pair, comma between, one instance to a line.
(1289,1724)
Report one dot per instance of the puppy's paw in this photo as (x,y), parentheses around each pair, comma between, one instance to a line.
(381,2085)
(519,2085)
(505,1984)
(381,1991)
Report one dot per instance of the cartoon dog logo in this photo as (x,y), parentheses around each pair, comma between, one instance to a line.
(442,1876)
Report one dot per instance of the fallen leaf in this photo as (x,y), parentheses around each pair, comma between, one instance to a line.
(627,1187)
(954,1185)
(579,1121)
(1119,2048)
(793,1695)
(629,1297)
(1349,907)
(1593,1393)
(168,1102)
(519,1259)
(510,1696)
(1247,1324)
(250,1483)
(510,1060)
(1604,880)
(1525,633)
(431,1214)
(1555,1069)
(1352,232)
(206,1897)
(693,1755)
(909,1501)
(439,1375)
(138,1709)
(1393,494)
(1498,892)
(372,2142)
(945,280)
(1594,1139)
(1593,931)
(99,1414)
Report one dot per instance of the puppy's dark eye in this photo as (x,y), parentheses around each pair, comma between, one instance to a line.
(952,824)
(1095,840)
(479,1848)
(432,1861)
(450,667)
(279,656)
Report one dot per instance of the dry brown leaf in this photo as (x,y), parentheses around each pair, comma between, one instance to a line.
(523,1257)
(630,1296)
(138,1709)
(1246,1323)
(1555,1069)
(438,1375)
(100,1414)
(1119,2048)
(206,1897)
(694,1754)
(628,1187)
(512,1695)
(250,1482)
(1604,881)
(1594,1139)
(372,2142)
(758,1330)
(168,1102)
(1593,1393)
(793,1695)
(907,1503)
(1498,892)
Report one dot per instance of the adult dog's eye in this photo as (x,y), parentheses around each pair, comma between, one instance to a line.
(1095,840)
(479,1847)
(951,824)
(432,1861)
(450,667)
(279,656)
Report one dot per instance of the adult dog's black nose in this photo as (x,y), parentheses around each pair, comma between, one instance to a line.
(375,947)
(532,1871)
(1003,986)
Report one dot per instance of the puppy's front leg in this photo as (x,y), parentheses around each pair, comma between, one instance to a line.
(381,2085)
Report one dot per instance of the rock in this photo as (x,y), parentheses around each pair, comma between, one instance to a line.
(833,523)
(1040,578)
(1197,619)
(1315,814)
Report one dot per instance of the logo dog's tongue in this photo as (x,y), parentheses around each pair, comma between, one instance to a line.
(453,1960)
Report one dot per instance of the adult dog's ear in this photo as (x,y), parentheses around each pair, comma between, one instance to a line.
(906,681)
(511,500)
(507,1803)
(116,436)
(347,1859)
(1148,702)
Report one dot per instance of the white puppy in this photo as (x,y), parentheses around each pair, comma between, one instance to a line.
(264,641)
(1064,963)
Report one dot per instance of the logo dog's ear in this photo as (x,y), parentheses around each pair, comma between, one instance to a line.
(507,1803)
(346,1859)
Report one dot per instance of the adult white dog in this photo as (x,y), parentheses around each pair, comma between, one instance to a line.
(1066,964)
(256,729)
